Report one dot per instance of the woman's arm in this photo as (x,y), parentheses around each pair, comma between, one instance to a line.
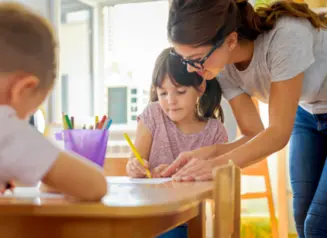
(249,123)
(283,103)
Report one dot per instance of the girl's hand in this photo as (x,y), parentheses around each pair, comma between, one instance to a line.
(156,172)
(135,170)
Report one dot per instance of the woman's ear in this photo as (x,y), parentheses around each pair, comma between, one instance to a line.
(22,88)
(232,41)
(203,87)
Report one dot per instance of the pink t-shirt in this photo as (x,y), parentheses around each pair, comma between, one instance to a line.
(168,141)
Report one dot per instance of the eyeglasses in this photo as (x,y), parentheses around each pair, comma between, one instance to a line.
(198,64)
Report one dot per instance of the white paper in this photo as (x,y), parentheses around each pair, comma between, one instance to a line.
(30,192)
(128,180)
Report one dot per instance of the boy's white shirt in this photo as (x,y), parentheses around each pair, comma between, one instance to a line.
(25,154)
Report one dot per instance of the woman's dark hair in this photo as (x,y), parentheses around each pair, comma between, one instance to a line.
(171,66)
(203,22)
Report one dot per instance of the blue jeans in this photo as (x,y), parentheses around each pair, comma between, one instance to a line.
(308,174)
(178,232)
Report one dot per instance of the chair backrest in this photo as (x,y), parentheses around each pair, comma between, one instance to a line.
(227,197)
(258,169)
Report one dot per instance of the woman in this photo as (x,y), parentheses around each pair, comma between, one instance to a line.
(279,56)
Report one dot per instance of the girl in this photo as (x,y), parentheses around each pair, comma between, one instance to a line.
(184,114)
(277,54)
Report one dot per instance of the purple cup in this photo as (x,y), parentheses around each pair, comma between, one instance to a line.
(91,144)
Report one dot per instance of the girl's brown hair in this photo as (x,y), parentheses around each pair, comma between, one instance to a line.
(171,66)
(202,22)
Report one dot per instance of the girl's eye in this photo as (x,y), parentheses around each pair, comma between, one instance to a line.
(162,94)
(181,92)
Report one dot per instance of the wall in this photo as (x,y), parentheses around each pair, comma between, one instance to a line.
(74,62)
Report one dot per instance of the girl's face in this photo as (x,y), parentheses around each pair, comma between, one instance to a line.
(178,102)
(207,60)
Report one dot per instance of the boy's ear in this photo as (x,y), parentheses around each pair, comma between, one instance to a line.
(22,87)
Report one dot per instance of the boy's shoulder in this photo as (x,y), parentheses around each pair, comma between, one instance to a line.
(25,154)
(8,120)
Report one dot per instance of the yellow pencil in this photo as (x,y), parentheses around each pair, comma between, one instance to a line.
(96,121)
(64,122)
(137,155)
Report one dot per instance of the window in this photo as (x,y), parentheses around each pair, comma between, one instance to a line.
(133,45)
(74,38)
(131,48)
(117,105)
(64,93)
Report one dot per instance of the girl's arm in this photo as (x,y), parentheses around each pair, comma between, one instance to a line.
(143,143)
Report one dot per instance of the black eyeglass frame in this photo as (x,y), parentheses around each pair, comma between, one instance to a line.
(198,64)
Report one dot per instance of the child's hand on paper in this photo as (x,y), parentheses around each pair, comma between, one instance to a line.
(155,173)
(135,170)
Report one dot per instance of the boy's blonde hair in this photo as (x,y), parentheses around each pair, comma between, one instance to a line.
(27,44)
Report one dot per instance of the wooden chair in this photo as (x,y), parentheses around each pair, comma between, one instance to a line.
(261,169)
(227,191)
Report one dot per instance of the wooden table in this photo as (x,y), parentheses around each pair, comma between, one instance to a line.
(129,210)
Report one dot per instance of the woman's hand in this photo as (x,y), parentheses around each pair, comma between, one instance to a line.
(197,170)
(156,172)
(135,170)
(203,153)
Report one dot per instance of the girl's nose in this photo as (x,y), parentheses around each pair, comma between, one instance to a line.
(171,99)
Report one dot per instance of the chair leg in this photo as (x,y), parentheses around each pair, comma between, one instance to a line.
(237,205)
(212,205)
(273,220)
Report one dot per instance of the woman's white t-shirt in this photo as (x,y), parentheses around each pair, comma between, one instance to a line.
(291,47)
